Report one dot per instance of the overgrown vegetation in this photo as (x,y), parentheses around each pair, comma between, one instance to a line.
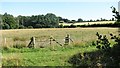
(103,43)
(53,55)
(108,55)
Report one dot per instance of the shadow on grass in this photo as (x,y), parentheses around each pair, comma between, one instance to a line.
(86,59)
(96,59)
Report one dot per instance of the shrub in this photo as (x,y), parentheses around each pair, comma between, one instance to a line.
(5,47)
(30,27)
(19,46)
(102,42)
(21,27)
(111,54)
(6,26)
(72,26)
(61,26)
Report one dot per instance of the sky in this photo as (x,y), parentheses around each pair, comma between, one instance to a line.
(69,9)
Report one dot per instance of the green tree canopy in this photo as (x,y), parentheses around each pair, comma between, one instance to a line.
(9,20)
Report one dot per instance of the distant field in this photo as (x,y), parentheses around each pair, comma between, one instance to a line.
(86,23)
(77,34)
(54,55)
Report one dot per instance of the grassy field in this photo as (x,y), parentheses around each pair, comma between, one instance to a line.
(54,55)
(87,23)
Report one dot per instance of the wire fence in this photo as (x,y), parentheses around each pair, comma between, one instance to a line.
(37,42)
(44,41)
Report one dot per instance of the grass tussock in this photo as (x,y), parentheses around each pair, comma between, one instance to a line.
(5,47)
(19,46)
(12,60)
(19,39)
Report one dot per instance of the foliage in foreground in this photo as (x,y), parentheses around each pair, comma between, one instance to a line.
(108,55)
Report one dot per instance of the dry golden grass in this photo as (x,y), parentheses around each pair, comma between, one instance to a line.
(13,59)
(47,56)
(86,23)
(81,35)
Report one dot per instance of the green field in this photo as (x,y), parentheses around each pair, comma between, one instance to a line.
(50,55)
(87,23)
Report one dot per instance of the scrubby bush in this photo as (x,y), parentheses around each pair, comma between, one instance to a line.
(21,27)
(30,27)
(103,42)
(6,26)
(5,47)
(19,46)
(61,26)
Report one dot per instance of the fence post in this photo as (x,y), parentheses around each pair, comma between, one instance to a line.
(32,42)
(5,41)
(50,40)
(67,39)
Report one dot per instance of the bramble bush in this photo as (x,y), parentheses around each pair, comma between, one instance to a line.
(107,54)
(102,43)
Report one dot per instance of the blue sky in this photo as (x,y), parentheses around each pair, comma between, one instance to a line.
(71,10)
(59,0)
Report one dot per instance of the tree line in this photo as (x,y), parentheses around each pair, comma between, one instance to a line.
(49,20)
(35,21)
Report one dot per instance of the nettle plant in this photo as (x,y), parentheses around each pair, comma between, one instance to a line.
(102,42)
(115,38)
(117,15)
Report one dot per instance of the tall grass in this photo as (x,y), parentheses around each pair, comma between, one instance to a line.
(42,56)
(53,55)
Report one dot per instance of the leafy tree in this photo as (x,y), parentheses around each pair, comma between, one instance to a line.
(97,20)
(66,20)
(60,18)
(20,20)
(113,19)
(117,15)
(30,27)
(10,20)
(91,20)
(80,20)
(21,27)
(38,26)
(73,21)
(6,26)
(1,24)
(38,21)
(51,20)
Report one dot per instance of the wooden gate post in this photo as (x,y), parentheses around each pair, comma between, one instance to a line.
(5,41)
(51,40)
(67,39)
(32,43)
